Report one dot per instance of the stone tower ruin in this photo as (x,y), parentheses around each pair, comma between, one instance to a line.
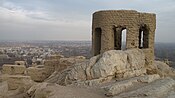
(107,27)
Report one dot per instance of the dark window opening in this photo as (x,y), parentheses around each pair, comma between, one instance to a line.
(98,32)
(120,38)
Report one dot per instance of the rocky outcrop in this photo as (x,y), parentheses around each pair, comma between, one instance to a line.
(115,73)
(133,78)
(120,64)
(38,74)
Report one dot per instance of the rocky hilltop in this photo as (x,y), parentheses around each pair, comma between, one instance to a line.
(113,74)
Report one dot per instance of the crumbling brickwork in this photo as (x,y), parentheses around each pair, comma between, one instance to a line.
(107,27)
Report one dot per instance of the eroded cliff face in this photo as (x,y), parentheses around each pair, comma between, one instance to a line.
(115,73)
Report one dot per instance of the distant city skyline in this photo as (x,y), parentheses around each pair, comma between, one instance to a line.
(72,19)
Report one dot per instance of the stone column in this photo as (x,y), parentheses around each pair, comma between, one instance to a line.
(107,38)
(132,39)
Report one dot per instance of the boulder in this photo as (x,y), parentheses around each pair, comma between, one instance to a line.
(119,63)
(38,73)
(17,81)
(50,65)
(13,69)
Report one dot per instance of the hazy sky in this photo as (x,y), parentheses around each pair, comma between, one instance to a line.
(71,19)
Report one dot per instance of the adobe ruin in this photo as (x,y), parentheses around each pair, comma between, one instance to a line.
(107,27)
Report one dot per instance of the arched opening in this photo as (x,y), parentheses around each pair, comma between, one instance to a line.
(123,47)
(143,37)
(97,40)
(119,38)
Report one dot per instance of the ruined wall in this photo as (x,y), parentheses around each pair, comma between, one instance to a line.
(107,30)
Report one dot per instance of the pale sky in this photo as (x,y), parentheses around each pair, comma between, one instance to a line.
(71,19)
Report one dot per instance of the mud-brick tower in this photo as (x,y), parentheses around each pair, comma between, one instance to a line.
(107,27)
